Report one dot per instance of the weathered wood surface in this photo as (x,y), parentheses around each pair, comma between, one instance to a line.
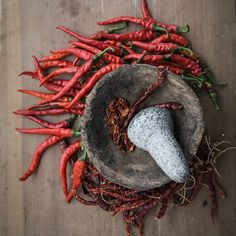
(37,207)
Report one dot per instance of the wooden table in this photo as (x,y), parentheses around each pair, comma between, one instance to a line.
(38,207)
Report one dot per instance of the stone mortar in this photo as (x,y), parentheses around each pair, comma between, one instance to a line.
(137,170)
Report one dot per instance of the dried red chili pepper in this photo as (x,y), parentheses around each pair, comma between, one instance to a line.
(63,145)
(76,52)
(41,148)
(89,41)
(56,63)
(170,105)
(48,105)
(109,58)
(78,170)
(163,209)
(75,61)
(160,47)
(53,111)
(218,187)
(63,82)
(92,81)
(62,124)
(140,35)
(99,34)
(112,43)
(127,49)
(186,63)
(172,38)
(54,57)
(168,66)
(150,25)
(42,95)
(67,70)
(60,132)
(144,9)
(213,196)
(160,78)
(66,155)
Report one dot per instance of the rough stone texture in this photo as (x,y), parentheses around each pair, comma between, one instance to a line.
(137,170)
(152,130)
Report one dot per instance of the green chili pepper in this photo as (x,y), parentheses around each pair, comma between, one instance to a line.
(212,95)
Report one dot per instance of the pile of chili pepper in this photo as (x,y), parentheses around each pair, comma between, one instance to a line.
(69,74)
(134,204)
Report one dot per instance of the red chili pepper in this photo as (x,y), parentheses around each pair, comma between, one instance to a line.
(172,38)
(146,58)
(144,9)
(41,148)
(54,111)
(63,146)
(66,155)
(99,34)
(78,170)
(42,95)
(128,49)
(63,83)
(60,132)
(163,208)
(89,41)
(29,73)
(170,105)
(56,63)
(92,81)
(160,78)
(61,124)
(160,47)
(67,70)
(112,43)
(186,63)
(49,86)
(140,35)
(168,66)
(76,52)
(54,57)
(81,71)
(213,194)
(109,58)
(79,106)
(75,61)
(150,25)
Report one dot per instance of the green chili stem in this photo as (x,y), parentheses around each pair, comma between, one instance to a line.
(185,49)
(84,154)
(157,28)
(167,57)
(121,26)
(183,29)
(75,133)
(102,53)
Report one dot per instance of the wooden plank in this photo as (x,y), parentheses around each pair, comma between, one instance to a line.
(38,207)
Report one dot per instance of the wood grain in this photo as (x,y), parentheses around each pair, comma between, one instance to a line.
(37,207)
